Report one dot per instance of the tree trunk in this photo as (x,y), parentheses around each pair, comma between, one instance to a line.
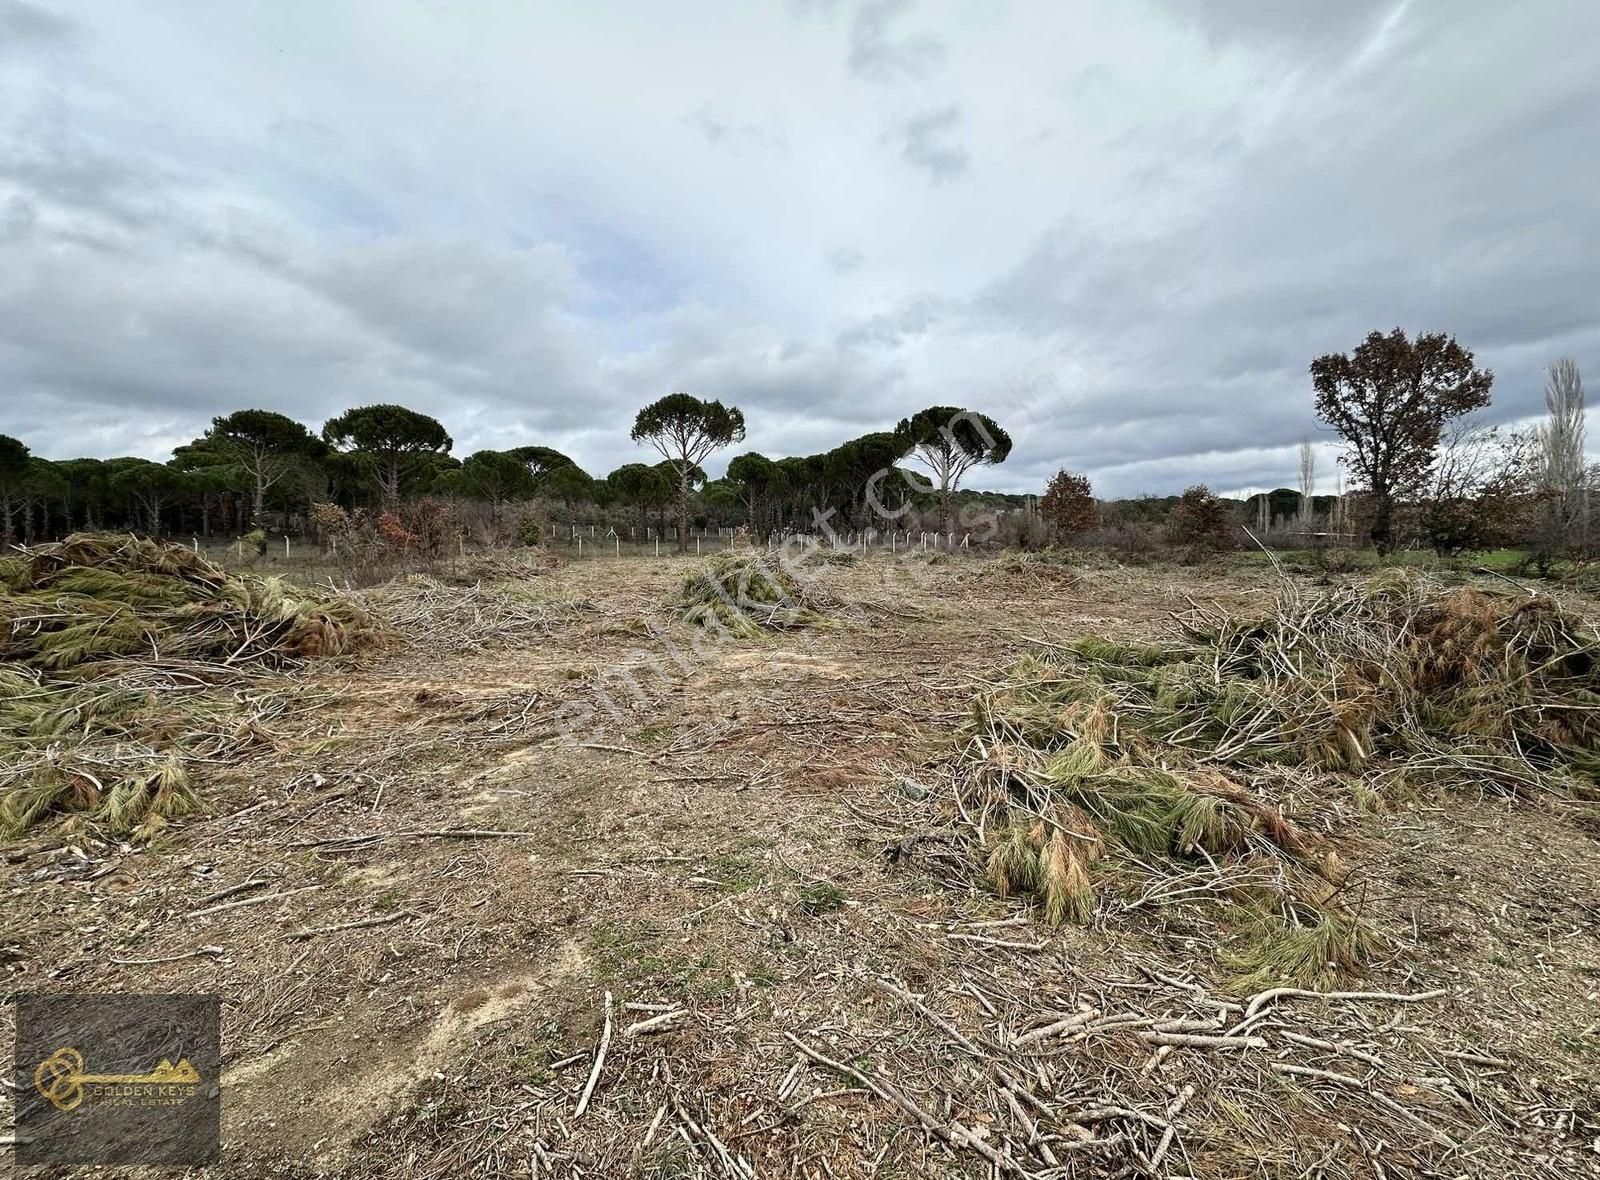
(259,503)
(1382,522)
(683,508)
(389,483)
(5,520)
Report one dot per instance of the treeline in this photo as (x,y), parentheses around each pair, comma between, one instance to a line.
(1421,475)
(258,469)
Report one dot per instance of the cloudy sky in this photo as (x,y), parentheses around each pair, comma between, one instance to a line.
(1122,229)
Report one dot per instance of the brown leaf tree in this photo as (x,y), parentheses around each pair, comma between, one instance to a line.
(1390,399)
(1068,505)
(1199,521)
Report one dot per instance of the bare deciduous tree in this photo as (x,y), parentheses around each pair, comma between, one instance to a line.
(1563,469)
(1308,481)
(1478,492)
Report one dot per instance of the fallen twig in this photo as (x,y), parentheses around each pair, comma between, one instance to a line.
(933,1017)
(362,924)
(981,940)
(366,839)
(954,1135)
(599,1063)
(1201,1041)
(257,900)
(198,952)
(1261,999)
(230,891)
(658,1023)
(1076,1020)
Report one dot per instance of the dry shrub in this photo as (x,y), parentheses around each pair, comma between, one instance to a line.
(1069,506)
(1199,522)
(424,529)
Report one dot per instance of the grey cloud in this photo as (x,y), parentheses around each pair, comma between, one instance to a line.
(878,55)
(17,219)
(924,142)
(845,260)
(23,25)
(453,299)
(736,135)
(1201,329)
(890,329)
(1317,29)
(68,170)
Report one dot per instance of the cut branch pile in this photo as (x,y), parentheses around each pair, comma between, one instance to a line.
(123,661)
(442,618)
(742,594)
(1097,762)
(93,598)
(1032,570)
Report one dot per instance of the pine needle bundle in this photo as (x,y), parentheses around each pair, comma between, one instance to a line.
(92,598)
(122,665)
(742,594)
(1137,752)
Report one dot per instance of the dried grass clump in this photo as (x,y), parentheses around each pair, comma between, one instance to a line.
(820,556)
(1121,760)
(124,661)
(743,594)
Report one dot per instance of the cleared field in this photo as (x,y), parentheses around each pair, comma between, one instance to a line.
(560,884)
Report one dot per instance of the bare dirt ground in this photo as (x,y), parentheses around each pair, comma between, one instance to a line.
(419,917)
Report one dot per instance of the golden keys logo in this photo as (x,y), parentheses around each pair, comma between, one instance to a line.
(62,1079)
